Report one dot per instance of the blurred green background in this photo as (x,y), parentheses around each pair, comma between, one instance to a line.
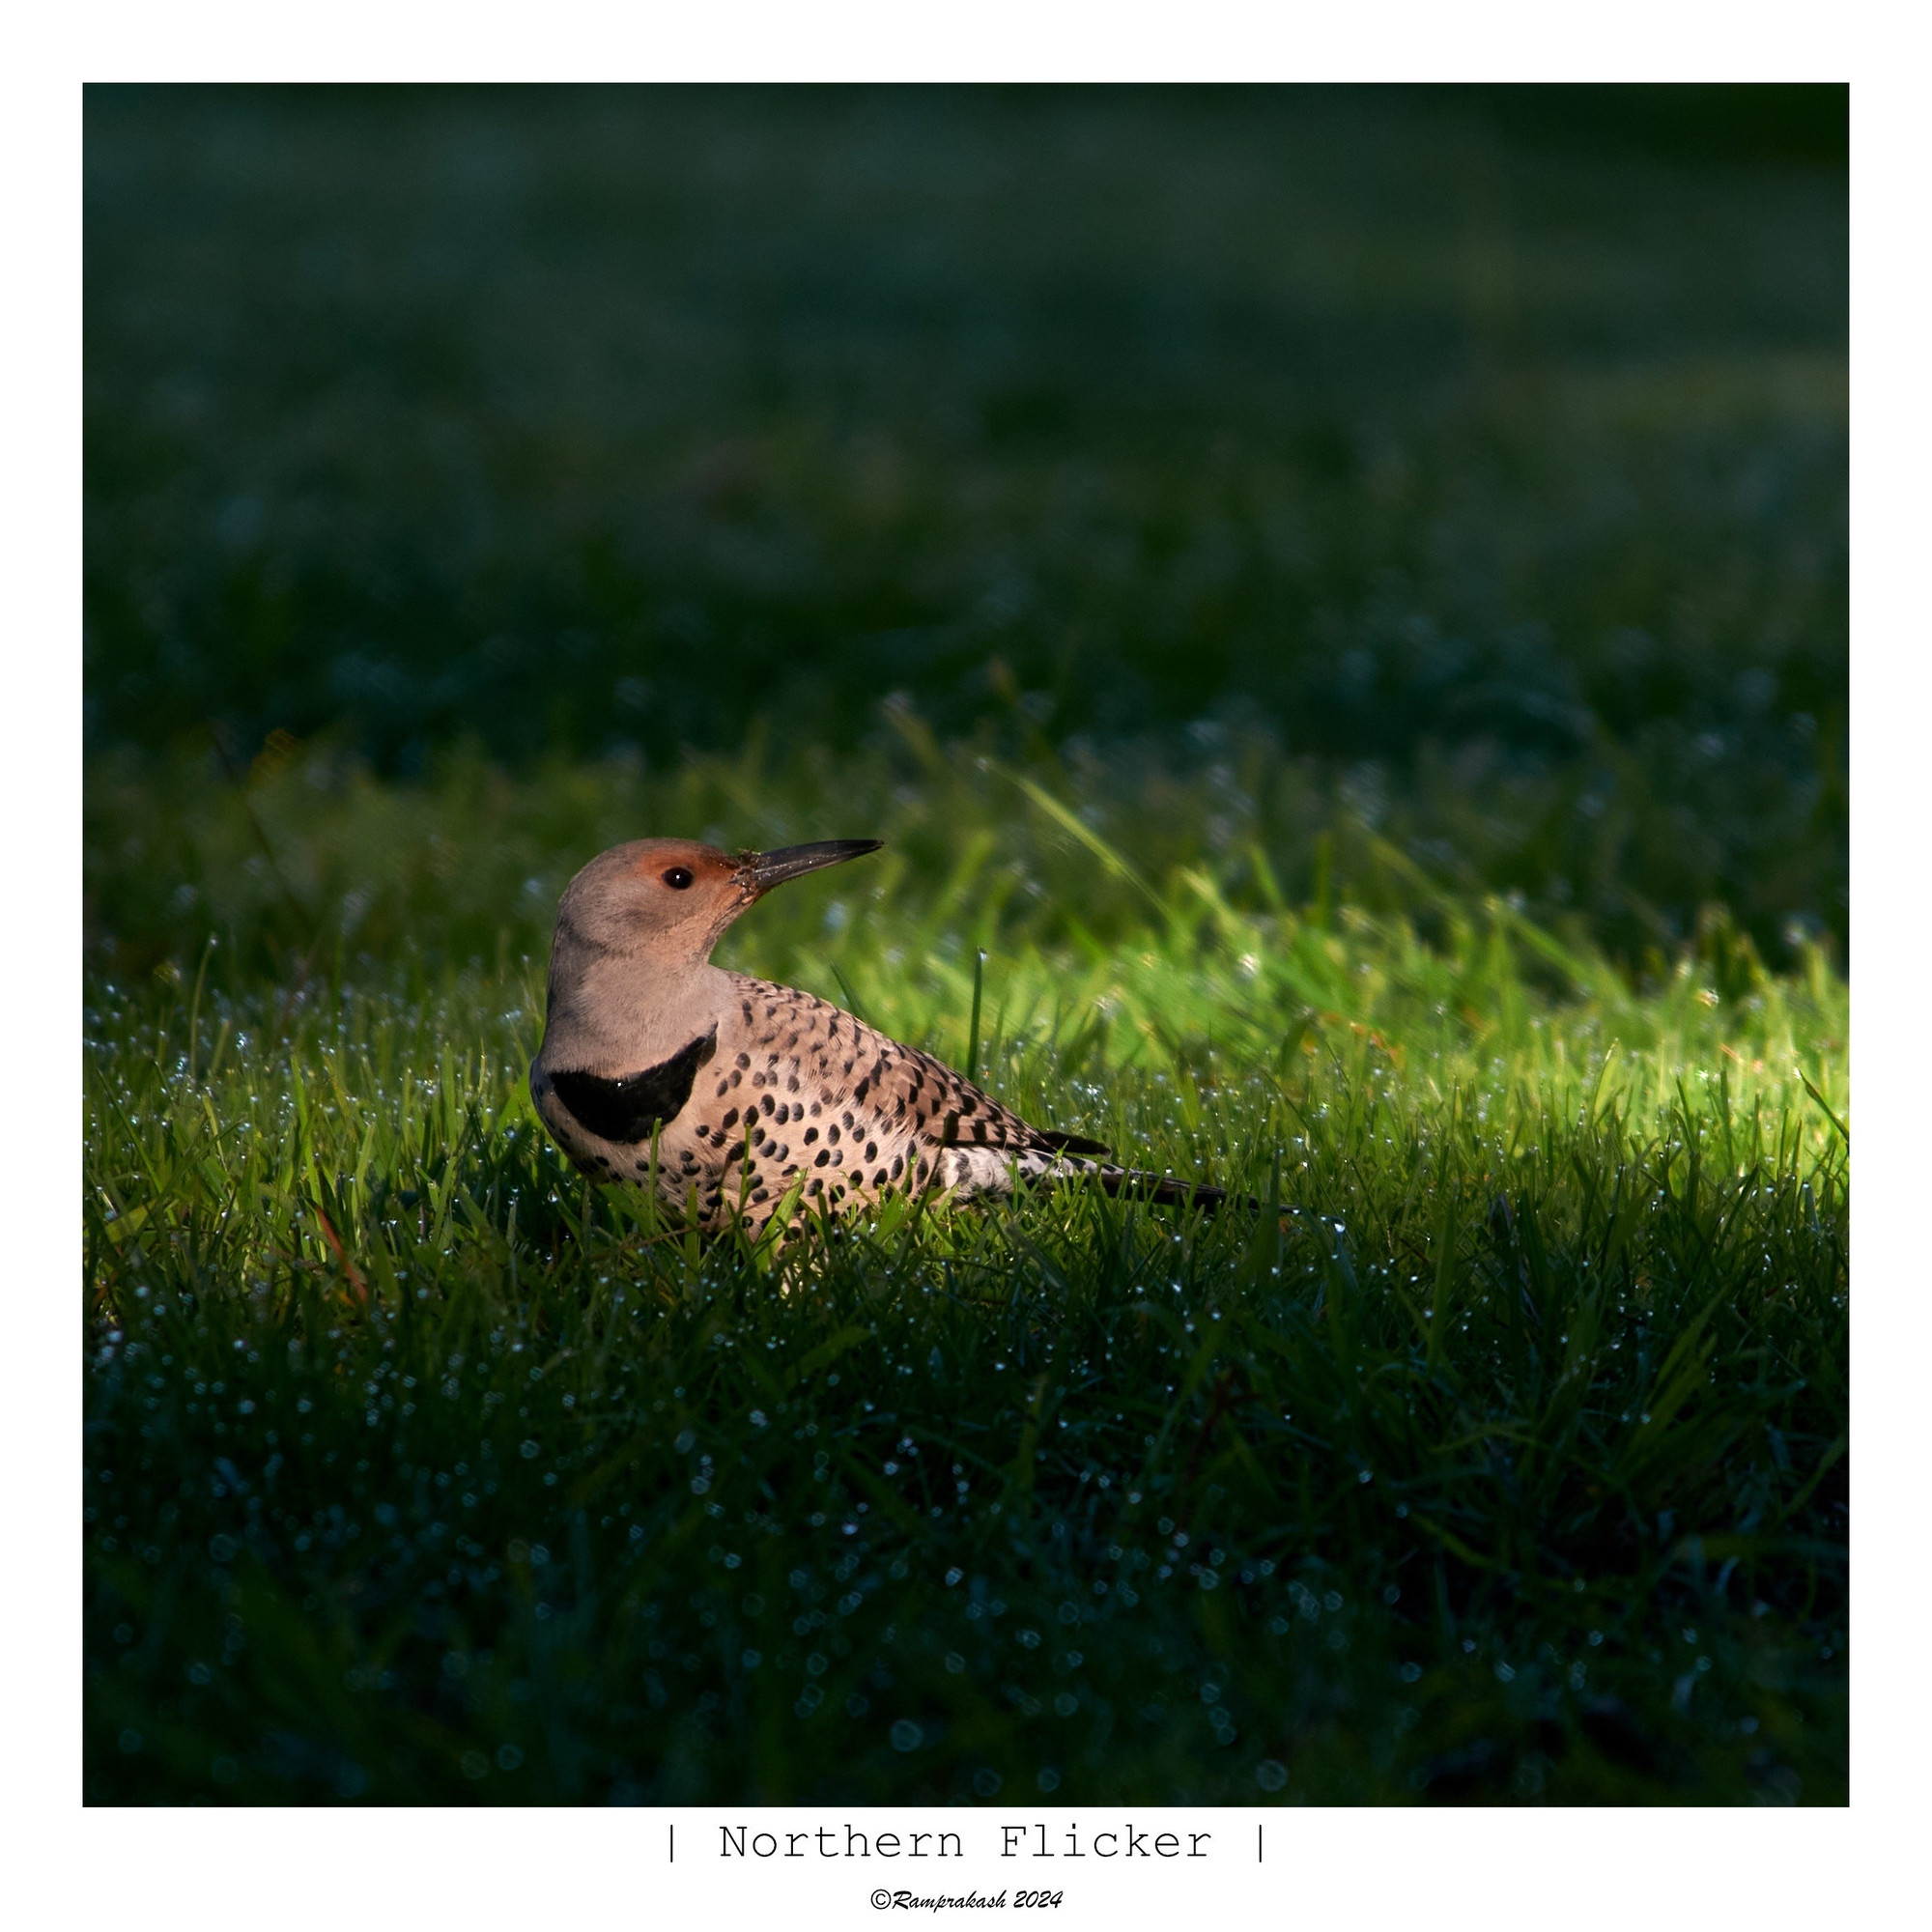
(1466,466)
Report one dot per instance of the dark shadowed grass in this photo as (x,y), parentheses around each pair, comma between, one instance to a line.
(1488,467)
(1503,1454)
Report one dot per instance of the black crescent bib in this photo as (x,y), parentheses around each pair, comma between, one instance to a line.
(630,1110)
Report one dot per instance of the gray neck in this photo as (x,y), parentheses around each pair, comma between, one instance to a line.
(616,1013)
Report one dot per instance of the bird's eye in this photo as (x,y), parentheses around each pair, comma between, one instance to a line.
(677,879)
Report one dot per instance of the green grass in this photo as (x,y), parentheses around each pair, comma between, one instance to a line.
(1508,1460)
(1497,483)
(1341,596)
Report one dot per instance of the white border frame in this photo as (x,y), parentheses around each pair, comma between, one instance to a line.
(1466,1867)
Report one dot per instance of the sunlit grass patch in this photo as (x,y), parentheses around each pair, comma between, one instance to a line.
(1502,1454)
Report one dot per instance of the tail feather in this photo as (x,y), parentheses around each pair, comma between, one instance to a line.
(988,1170)
(1091,1164)
(1069,1144)
(1169,1191)
(1166,1191)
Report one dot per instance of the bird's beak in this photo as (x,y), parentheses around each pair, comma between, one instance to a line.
(760,871)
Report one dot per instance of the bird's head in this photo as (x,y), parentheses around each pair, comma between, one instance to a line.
(669,900)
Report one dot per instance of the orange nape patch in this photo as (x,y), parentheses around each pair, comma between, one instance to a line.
(705,861)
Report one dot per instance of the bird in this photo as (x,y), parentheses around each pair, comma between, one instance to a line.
(735,1098)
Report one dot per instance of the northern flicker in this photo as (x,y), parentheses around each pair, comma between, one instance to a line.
(658,1067)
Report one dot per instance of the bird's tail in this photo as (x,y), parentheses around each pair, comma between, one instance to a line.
(1134,1184)
(1087,1162)
(1169,1191)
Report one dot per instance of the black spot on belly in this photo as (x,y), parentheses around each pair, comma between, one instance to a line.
(629,1109)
